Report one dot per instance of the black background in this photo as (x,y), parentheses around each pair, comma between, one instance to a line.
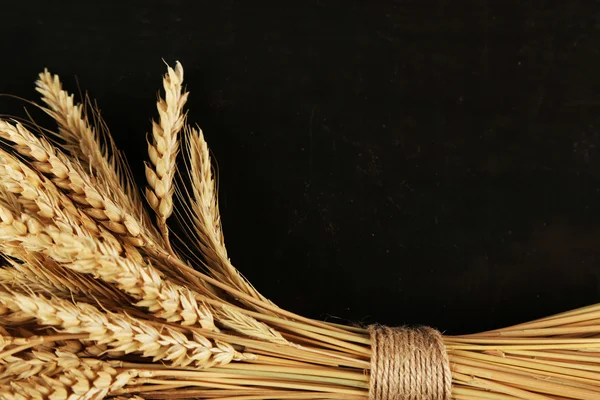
(391,161)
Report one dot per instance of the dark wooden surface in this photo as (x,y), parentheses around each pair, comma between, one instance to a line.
(391,161)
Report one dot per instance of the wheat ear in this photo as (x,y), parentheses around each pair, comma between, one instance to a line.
(24,190)
(71,177)
(38,273)
(92,197)
(84,379)
(124,267)
(46,362)
(119,331)
(165,299)
(63,238)
(81,187)
(163,148)
(103,258)
(205,217)
(84,142)
(34,194)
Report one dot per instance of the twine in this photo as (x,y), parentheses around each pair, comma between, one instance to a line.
(409,364)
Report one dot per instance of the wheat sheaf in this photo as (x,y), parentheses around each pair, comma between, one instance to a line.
(98,299)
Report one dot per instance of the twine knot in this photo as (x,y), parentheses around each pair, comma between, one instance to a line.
(409,364)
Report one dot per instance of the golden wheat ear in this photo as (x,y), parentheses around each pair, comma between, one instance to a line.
(62,233)
(121,332)
(65,376)
(203,213)
(36,273)
(91,144)
(163,147)
(96,200)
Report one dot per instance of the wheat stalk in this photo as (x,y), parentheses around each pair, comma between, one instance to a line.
(163,148)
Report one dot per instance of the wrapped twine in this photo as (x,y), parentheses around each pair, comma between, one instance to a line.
(409,364)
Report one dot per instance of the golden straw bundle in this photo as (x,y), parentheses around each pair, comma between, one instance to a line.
(97,301)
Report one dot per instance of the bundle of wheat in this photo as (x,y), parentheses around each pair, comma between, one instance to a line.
(97,301)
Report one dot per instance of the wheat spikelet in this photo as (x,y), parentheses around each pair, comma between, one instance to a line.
(7,340)
(14,202)
(29,364)
(119,331)
(85,143)
(205,216)
(164,146)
